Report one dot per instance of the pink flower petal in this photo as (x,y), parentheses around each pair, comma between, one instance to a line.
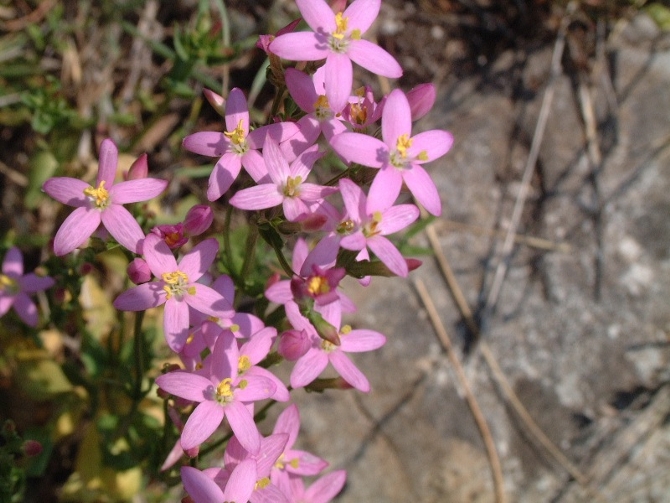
(175,324)
(361,14)
(308,368)
(374,59)
(385,187)
(421,99)
(257,198)
(279,132)
(349,371)
(257,388)
(317,14)
(389,254)
(275,162)
(75,230)
(396,118)
(300,46)
(361,340)
(208,301)
(107,162)
(199,259)
(134,191)
(12,264)
(301,88)
(31,283)
(361,149)
(237,111)
(430,145)
(422,187)
(68,191)
(158,256)
(339,79)
(203,421)
(200,487)
(396,218)
(223,175)
(326,488)
(186,385)
(141,297)
(123,227)
(294,209)
(241,483)
(354,199)
(242,423)
(6,302)
(255,165)
(26,309)
(208,143)
(288,422)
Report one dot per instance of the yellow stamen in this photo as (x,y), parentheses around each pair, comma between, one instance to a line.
(8,284)
(224,389)
(243,384)
(237,135)
(346,227)
(243,364)
(176,284)
(262,483)
(318,285)
(341,23)
(345,330)
(99,196)
(295,462)
(234,327)
(402,144)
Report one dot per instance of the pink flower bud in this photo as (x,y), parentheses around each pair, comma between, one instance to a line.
(413,263)
(198,219)
(31,448)
(173,235)
(217,101)
(421,99)
(293,344)
(138,169)
(138,271)
(193,451)
(264,40)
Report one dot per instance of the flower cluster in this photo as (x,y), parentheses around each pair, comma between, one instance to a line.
(343,224)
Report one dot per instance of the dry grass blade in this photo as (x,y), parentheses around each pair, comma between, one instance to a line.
(443,336)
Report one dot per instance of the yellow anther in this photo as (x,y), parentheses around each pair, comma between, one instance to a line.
(176,284)
(243,364)
(355,34)
(327,346)
(360,91)
(346,227)
(262,483)
(234,327)
(243,384)
(318,285)
(377,217)
(237,135)
(322,102)
(224,389)
(358,113)
(345,330)
(99,196)
(402,144)
(190,338)
(191,290)
(423,156)
(341,23)
(295,462)
(8,284)
(213,319)
(279,464)
(174,278)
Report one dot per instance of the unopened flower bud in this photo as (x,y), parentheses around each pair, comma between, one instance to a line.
(31,448)
(138,169)
(198,219)
(173,235)
(421,99)
(138,271)
(217,101)
(293,344)
(193,451)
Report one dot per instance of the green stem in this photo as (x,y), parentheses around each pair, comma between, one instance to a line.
(250,252)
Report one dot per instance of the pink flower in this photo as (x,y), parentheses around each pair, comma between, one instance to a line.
(176,287)
(315,360)
(102,204)
(237,146)
(369,220)
(198,219)
(222,394)
(15,287)
(321,491)
(337,39)
(399,156)
(288,186)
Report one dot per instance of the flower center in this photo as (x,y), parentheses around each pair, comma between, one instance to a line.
(322,108)
(358,114)
(9,285)
(370,229)
(99,197)
(339,41)
(224,391)
(328,346)
(346,227)
(176,283)
(317,285)
(238,139)
(292,187)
